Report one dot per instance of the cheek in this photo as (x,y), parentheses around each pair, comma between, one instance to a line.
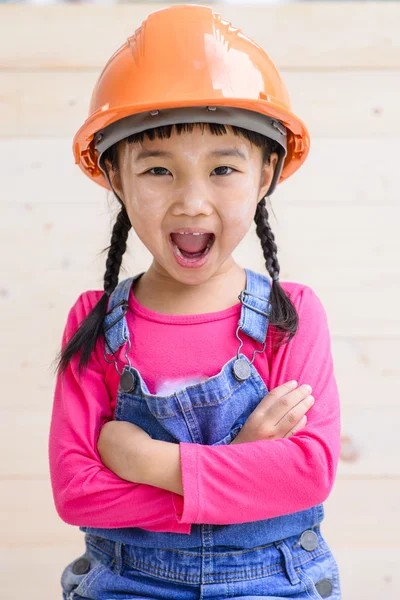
(141,197)
(239,214)
(240,210)
(144,203)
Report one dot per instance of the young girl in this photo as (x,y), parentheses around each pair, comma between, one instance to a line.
(179,442)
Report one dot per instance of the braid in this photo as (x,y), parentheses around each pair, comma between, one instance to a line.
(283,313)
(116,250)
(85,338)
(267,238)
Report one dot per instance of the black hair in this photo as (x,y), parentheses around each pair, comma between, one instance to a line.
(283,313)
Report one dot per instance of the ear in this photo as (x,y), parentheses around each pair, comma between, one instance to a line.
(115,178)
(267,174)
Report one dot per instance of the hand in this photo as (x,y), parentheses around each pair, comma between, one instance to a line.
(121,446)
(280,414)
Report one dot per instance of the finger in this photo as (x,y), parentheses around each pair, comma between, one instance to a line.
(283,404)
(294,415)
(278,392)
(297,427)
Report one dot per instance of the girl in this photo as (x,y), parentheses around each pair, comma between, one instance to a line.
(179,442)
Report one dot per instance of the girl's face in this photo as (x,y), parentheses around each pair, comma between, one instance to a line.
(197,179)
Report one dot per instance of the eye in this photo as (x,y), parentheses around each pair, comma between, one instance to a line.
(162,168)
(224,167)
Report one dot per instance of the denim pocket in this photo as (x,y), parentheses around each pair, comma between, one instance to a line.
(78,575)
(320,576)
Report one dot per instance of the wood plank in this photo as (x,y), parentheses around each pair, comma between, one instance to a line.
(366,371)
(41,567)
(368,572)
(367,236)
(61,267)
(365,572)
(55,103)
(365,544)
(366,38)
(369,442)
(360,513)
(363,513)
(343,324)
(42,170)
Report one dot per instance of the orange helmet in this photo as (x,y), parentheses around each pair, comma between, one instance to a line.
(187,64)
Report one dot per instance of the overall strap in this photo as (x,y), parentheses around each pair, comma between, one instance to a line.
(115,327)
(256,308)
(254,315)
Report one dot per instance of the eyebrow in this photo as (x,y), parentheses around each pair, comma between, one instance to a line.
(215,153)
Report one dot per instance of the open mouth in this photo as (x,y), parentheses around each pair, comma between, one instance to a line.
(185,256)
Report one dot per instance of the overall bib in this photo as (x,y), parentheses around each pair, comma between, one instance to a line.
(285,556)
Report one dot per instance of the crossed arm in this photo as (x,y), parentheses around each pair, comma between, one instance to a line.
(132,454)
(166,487)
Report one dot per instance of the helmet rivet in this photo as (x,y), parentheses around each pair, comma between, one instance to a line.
(99,137)
(279,126)
(211,108)
(154,112)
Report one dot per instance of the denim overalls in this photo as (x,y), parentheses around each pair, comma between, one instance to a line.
(285,556)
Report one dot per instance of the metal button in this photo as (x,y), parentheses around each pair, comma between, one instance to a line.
(324,587)
(309,540)
(241,369)
(127,381)
(81,566)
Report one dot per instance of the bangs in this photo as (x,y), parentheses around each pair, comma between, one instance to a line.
(165,131)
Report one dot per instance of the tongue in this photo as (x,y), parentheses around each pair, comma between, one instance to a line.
(191,243)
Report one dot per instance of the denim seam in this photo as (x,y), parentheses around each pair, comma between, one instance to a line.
(298,560)
(88,581)
(173,414)
(194,385)
(198,485)
(254,380)
(309,556)
(188,409)
(226,397)
(270,570)
(307,579)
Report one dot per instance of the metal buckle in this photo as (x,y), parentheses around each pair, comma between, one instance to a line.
(243,292)
(241,344)
(125,305)
(113,353)
(261,312)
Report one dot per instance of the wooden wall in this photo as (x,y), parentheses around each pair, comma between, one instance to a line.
(336,222)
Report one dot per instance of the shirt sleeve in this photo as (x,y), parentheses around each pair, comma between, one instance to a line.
(238,483)
(85,491)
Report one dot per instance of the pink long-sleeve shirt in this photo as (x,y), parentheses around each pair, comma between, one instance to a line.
(222,484)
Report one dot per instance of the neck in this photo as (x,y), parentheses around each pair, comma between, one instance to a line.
(161,293)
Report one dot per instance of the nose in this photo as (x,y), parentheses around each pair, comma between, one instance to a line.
(192,199)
